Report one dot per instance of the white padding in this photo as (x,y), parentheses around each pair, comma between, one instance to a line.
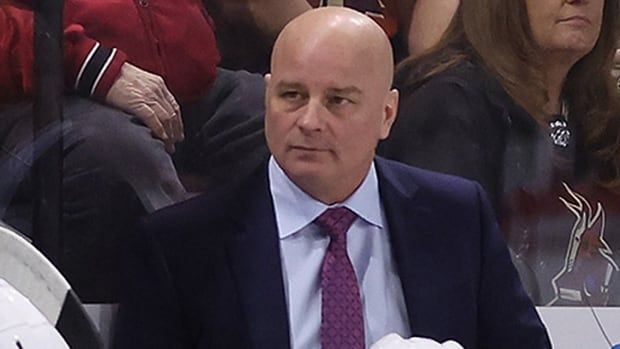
(33,275)
(577,327)
(21,321)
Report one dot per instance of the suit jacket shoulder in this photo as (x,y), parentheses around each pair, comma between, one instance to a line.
(455,269)
(206,273)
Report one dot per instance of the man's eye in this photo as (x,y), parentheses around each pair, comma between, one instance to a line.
(338,101)
(290,95)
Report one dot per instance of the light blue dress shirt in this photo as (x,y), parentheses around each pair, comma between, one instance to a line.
(303,247)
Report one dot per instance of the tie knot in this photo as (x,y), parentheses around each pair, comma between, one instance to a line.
(336,221)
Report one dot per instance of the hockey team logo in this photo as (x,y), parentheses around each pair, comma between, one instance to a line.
(588,265)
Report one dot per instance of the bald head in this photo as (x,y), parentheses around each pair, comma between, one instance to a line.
(339,30)
(329,100)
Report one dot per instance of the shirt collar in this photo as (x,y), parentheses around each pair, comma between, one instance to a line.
(295,209)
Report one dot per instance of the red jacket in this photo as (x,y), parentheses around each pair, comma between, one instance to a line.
(174,39)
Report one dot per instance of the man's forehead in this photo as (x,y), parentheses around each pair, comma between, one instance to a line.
(325,66)
(334,38)
(331,62)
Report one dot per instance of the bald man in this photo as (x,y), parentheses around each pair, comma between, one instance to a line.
(327,246)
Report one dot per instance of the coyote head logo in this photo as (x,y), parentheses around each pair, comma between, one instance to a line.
(588,265)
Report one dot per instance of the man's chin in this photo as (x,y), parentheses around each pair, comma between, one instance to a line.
(305,173)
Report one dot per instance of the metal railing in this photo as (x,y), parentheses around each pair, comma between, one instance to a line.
(47,170)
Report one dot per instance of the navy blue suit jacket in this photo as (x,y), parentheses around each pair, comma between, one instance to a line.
(206,273)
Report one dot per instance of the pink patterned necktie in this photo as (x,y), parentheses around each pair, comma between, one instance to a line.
(342,322)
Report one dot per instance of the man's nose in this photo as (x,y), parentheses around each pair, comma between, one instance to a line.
(311,118)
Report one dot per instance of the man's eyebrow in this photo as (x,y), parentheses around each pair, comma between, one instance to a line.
(282,85)
(348,90)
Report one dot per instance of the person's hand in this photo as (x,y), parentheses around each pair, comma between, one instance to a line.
(146,96)
(394,341)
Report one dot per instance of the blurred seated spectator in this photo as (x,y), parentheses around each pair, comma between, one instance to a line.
(525,105)
(142,84)
(247,29)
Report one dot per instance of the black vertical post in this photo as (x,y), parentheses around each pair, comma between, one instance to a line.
(47,171)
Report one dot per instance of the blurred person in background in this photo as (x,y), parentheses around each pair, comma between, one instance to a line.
(144,99)
(518,96)
(248,28)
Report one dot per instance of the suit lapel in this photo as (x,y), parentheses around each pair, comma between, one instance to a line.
(407,222)
(254,253)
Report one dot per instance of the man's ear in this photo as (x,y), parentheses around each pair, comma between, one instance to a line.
(390,109)
(267,84)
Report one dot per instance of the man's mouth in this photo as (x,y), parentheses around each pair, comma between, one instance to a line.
(307,148)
